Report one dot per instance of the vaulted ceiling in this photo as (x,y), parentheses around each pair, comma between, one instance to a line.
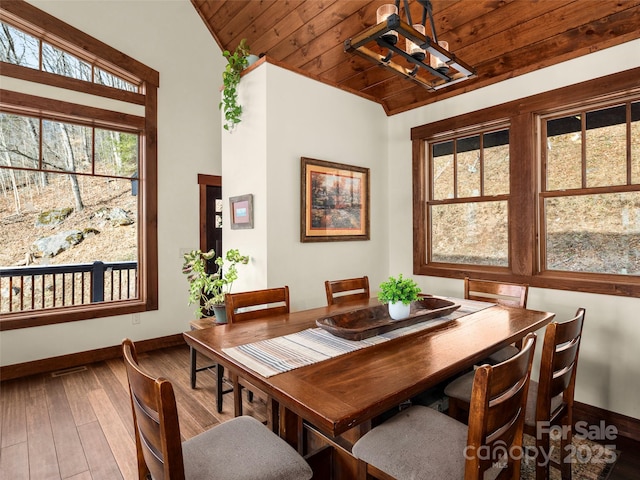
(499,38)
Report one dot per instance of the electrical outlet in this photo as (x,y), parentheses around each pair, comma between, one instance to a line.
(135,319)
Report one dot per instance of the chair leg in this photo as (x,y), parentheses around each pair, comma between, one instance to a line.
(542,463)
(219,385)
(192,352)
(566,449)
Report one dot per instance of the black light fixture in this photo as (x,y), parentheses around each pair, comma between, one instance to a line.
(439,69)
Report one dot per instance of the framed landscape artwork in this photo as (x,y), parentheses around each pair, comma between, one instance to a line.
(334,202)
(241,211)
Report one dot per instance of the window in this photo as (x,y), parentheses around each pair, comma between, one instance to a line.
(18,47)
(468,202)
(590,200)
(544,190)
(78,181)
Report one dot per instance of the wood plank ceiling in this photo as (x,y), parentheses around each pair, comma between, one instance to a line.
(499,38)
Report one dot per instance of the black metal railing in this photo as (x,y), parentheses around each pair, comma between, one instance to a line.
(38,287)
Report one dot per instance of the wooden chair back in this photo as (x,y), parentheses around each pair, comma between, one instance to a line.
(497,413)
(556,388)
(558,365)
(272,301)
(155,418)
(358,289)
(508,294)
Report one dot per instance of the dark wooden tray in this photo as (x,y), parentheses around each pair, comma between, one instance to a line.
(371,321)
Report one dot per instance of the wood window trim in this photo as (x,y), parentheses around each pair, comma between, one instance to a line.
(524,172)
(148,206)
(70,38)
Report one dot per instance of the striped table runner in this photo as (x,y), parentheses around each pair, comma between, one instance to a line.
(281,354)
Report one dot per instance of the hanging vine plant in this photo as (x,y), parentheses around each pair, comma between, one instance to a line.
(236,63)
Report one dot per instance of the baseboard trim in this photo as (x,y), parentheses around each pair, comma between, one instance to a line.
(627,426)
(9,372)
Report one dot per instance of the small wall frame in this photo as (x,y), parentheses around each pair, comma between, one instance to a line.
(241,211)
(334,201)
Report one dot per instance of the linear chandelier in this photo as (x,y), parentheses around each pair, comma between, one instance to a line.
(427,61)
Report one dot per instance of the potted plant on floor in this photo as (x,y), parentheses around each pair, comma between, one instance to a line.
(207,290)
(399,293)
(236,63)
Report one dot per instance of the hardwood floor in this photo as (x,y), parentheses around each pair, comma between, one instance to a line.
(77,424)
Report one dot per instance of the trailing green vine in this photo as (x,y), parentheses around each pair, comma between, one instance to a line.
(236,63)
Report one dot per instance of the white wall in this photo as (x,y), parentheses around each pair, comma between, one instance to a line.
(170,37)
(288,116)
(609,371)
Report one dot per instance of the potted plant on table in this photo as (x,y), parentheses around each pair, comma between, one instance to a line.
(207,290)
(236,63)
(399,293)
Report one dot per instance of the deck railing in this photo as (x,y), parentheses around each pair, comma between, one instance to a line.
(38,287)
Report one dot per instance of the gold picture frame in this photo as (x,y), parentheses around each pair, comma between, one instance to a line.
(334,201)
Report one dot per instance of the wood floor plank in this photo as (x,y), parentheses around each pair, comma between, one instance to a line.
(102,464)
(120,442)
(43,462)
(14,421)
(117,367)
(81,476)
(14,462)
(117,392)
(71,457)
(77,385)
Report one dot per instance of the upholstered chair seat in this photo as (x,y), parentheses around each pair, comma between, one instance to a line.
(242,449)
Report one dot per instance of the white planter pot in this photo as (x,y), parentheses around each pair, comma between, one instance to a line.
(399,311)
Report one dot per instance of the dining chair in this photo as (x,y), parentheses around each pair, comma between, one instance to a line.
(252,305)
(347,290)
(508,294)
(550,400)
(422,443)
(502,293)
(235,449)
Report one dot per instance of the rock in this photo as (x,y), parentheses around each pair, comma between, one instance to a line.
(117,216)
(58,243)
(89,232)
(50,218)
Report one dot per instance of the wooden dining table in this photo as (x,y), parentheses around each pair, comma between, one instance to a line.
(339,397)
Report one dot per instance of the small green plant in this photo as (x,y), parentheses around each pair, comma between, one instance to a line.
(207,290)
(399,289)
(236,63)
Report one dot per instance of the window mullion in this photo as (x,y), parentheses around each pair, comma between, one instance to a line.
(583,137)
(628,142)
(455,169)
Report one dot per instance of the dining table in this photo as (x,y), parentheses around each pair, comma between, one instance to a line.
(335,400)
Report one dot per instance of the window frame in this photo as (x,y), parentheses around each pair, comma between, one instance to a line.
(525,187)
(481,198)
(36,22)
